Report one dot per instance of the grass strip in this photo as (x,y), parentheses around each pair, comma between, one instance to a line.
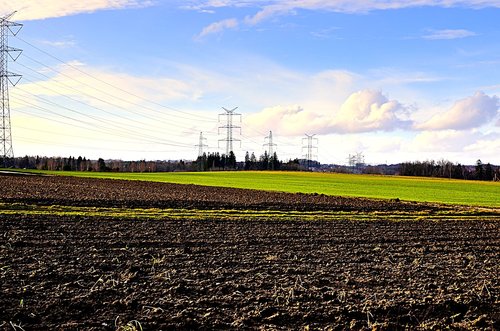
(21,209)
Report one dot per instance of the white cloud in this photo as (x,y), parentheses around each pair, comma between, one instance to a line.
(465,146)
(218,27)
(272,8)
(448,34)
(369,110)
(442,141)
(77,107)
(201,5)
(467,113)
(268,9)
(59,43)
(256,83)
(327,89)
(287,120)
(363,111)
(489,144)
(325,33)
(126,100)
(391,76)
(291,103)
(86,83)
(41,9)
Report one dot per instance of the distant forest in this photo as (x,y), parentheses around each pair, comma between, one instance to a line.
(206,162)
(221,162)
(446,169)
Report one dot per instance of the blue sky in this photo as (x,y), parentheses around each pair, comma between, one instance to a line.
(131,79)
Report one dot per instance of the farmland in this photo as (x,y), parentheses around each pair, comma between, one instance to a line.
(102,254)
(384,187)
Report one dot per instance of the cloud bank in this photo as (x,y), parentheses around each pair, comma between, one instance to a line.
(218,27)
(349,6)
(467,113)
(41,9)
(362,111)
(268,9)
(84,83)
(448,34)
(368,110)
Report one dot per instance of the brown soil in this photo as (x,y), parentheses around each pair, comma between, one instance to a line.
(87,273)
(111,193)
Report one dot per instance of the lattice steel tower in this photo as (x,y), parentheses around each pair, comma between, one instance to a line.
(6,27)
(270,145)
(310,142)
(229,113)
(201,145)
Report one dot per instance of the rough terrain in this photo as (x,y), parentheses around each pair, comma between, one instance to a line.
(103,273)
(110,193)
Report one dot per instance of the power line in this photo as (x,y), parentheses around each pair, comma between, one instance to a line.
(119,129)
(229,123)
(154,119)
(52,143)
(262,133)
(111,85)
(95,127)
(103,101)
(52,133)
(115,125)
(103,91)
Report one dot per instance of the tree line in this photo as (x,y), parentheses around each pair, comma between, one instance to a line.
(221,162)
(206,162)
(83,164)
(447,169)
(216,162)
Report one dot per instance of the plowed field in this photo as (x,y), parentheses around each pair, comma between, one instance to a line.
(111,193)
(432,267)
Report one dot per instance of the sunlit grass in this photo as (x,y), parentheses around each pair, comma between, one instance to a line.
(58,211)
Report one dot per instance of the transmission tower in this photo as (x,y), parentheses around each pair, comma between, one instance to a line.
(270,145)
(201,145)
(310,147)
(229,113)
(351,160)
(356,161)
(6,77)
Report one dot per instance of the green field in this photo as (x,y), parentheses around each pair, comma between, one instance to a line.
(461,192)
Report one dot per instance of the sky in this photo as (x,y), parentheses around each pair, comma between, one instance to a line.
(397,81)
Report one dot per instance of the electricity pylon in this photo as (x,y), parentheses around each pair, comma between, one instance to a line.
(6,77)
(310,142)
(201,145)
(229,113)
(356,160)
(270,144)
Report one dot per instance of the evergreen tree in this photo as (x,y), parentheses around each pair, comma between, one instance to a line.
(479,170)
(79,163)
(488,172)
(247,161)
(231,160)
(101,165)
(253,162)
(276,162)
(264,161)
